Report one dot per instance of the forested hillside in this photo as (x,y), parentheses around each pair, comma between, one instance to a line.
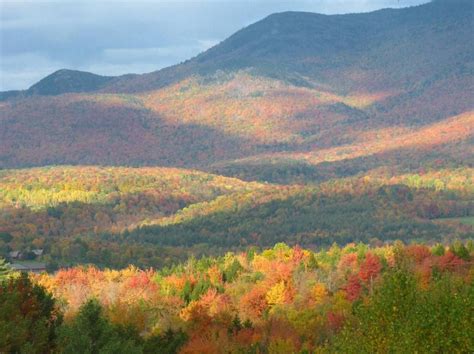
(305,186)
(281,300)
(342,128)
(295,83)
(157,216)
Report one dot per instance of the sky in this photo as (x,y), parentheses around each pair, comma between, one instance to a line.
(111,37)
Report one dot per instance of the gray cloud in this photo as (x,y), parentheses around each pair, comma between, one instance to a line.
(113,37)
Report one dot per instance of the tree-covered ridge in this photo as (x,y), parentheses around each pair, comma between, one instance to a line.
(292,83)
(50,186)
(104,129)
(451,130)
(446,143)
(210,120)
(359,209)
(447,186)
(261,109)
(41,204)
(280,300)
(156,216)
(227,116)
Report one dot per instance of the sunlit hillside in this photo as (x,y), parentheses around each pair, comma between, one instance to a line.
(258,109)
(46,202)
(279,300)
(293,82)
(155,216)
(437,145)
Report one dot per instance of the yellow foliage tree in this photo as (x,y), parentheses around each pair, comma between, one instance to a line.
(276,294)
(319,293)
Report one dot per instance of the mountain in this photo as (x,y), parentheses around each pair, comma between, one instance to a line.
(348,135)
(65,81)
(60,82)
(385,49)
(323,95)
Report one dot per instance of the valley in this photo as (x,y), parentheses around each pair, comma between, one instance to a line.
(305,185)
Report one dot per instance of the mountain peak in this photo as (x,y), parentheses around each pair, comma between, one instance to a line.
(66,80)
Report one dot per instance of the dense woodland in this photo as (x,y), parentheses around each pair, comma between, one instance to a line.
(152,217)
(281,300)
(305,186)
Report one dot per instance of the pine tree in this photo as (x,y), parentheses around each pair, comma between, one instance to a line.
(231,272)
(438,250)
(312,262)
(91,332)
(4,269)
(460,250)
(28,317)
(235,326)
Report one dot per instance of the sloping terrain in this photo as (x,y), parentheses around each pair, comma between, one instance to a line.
(69,200)
(59,82)
(446,143)
(153,216)
(293,82)
(363,124)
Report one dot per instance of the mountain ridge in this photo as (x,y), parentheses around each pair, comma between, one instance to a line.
(435,5)
(62,81)
(292,82)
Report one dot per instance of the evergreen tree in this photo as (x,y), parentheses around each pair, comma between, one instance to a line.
(167,343)
(4,269)
(201,287)
(187,291)
(460,250)
(312,262)
(438,250)
(90,332)
(231,272)
(28,317)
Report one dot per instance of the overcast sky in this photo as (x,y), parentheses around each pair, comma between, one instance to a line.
(117,37)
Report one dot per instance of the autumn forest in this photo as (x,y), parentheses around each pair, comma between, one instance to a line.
(304,186)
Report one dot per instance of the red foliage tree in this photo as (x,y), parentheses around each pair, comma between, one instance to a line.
(418,253)
(335,320)
(370,268)
(254,303)
(450,262)
(353,288)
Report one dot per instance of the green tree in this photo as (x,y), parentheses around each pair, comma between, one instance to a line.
(28,317)
(200,288)
(460,250)
(91,333)
(167,343)
(438,250)
(4,269)
(187,292)
(312,262)
(402,318)
(231,272)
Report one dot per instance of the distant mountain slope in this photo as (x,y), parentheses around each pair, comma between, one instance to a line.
(65,81)
(60,82)
(386,49)
(296,83)
(105,129)
(445,143)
